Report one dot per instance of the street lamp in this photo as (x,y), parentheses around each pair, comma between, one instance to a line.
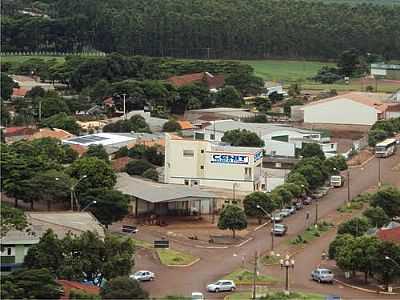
(72,191)
(287,263)
(392,260)
(273,225)
(124,99)
(379,172)
(87,206)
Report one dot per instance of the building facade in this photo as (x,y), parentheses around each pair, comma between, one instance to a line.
(387,71)
(204,163)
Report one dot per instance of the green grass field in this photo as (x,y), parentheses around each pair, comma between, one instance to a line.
(21,58)
(171,257)
(286,70)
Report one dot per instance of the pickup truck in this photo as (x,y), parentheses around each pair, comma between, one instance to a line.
(337,181)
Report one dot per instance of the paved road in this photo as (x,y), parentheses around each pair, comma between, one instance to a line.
(216,263)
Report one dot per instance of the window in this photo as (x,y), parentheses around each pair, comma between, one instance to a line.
(202,150)
(247,172)
(186,182)
(332,146)
(202,167)
(8,251)
(199,136)
(194,182)
(212,136)
(188,153)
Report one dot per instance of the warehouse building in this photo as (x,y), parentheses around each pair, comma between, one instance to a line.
(386,71)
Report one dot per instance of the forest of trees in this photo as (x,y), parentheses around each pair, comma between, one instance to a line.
(203,29)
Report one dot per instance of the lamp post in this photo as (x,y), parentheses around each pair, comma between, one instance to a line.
(273,225)
(379,172)
(72,191)
(87,206)
(287,263)
(392,260)
(316,212)
(348,186)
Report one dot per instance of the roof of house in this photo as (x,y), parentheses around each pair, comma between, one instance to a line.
(65,221)
(393,107)
(81,150)
(19,92)
(185,125)
(22,237)
(56,133)
(374,100)
(212,81)
(119,164)
(18,131)
(69,285)
(389,235)
(157,192)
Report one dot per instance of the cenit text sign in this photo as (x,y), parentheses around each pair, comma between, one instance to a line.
(230,159)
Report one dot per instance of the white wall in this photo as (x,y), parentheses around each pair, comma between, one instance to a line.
(340,111)
(277,148)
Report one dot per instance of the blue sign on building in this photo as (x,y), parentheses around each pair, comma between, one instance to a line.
(258,156)
(230,159)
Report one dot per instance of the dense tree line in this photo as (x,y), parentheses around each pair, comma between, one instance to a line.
(211,28)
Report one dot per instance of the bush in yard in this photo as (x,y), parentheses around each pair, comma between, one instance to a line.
(123,288)
(232,218)
(151,174)
(138,167)
(171,126)
(78,294)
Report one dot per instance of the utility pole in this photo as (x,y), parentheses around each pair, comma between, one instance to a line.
(348,187)
(255,276)
(379,172)
(316,212)
(40,110)
(124,96)
(208,53)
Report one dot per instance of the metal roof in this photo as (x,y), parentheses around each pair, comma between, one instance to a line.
(259,128)
(157,192)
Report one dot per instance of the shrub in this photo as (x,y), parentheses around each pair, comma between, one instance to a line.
(151,174)
(138,167)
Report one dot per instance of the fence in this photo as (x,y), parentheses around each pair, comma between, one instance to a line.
(45,53)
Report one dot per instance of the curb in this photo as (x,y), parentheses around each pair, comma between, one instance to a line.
(262,225)
(185,266)
(244,242)
(363,289)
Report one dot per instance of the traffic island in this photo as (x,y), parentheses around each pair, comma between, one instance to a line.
(271,295)
(311,233)
(244,276)
(173,258)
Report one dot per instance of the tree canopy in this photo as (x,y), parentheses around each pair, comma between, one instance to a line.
(11,218)
(263,200)
(242,138)
(123,288)
(233,218)
(388,198)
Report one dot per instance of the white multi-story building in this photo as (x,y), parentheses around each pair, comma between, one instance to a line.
(279,140)
(204,163)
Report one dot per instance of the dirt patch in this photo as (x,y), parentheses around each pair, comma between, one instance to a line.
(360,157)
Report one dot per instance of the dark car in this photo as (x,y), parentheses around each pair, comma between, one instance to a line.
(299,205)
(307,201)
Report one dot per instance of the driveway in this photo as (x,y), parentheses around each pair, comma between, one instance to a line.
(215,263)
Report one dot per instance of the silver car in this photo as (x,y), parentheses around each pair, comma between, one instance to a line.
(221,286)
(143,276)
(322,275)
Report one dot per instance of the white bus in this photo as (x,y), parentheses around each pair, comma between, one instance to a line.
(385,148)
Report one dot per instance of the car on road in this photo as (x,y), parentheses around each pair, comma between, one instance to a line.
(279,229)
(299,205)
(221,286)
(333,297)
(292,209)
(322,275)
(285,212)
(317,195)
(197,296)
(277,217)
(307,200)
(143,276)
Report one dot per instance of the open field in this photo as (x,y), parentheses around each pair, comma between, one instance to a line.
(286,70)
(21,58)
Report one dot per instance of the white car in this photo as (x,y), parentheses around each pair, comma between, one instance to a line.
(143,276)
(197,296)
(221,286)
(285,212)
(277,217)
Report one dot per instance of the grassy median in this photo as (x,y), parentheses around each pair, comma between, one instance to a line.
(247,295)
(171,257)
(245,277)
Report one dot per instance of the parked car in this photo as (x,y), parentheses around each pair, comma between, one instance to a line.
(307,201)
(277,217)
(279,229)
(285,212)
(322,275)
(317,195)
(324,190)
(143,276)
(197,296)
(299,205)
(221,286)
(333,297)
(292,209)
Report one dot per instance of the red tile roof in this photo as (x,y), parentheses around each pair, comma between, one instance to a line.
(56,133)
(19,92)
(119,164)
(78,148)
(393,107)
(212,81)
(18,131)
(389,235)
(69,285)
(185,125)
